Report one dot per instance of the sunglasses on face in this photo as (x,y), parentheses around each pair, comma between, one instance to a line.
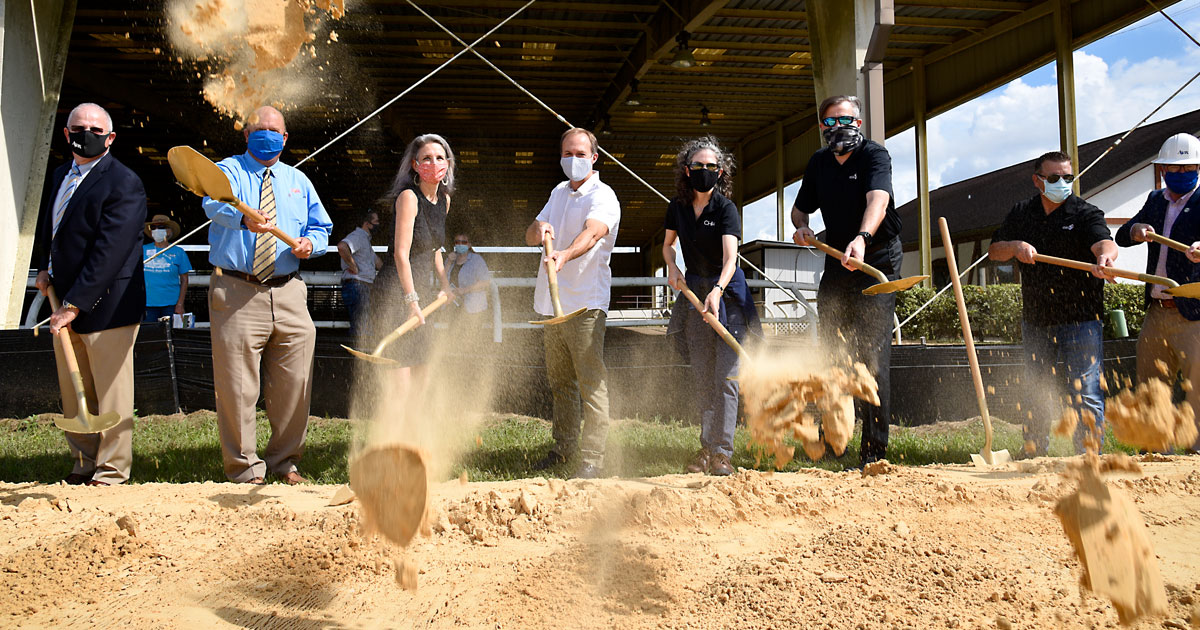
(1053,179)
(96,130)
(1182,168)
(834,121)
(695,166)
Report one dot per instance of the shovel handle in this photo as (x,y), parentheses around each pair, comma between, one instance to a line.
(854,262)
(972,357)
(1169,242)
(68,352)
(410,324)
(1110,271)
(715,323)
(254,215)
(551,274)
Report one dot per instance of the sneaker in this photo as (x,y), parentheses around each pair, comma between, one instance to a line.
(718,464)
(552,459)
(699,462)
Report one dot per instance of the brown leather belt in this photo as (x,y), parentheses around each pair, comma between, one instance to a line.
(1167,303)
(273,283)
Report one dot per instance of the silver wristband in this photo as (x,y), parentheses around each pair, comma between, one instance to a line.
(411,298)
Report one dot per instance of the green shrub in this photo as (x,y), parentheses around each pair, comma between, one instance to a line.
(995,311)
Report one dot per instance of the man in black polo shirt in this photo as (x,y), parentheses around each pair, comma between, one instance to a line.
(1061,307)
(851,181)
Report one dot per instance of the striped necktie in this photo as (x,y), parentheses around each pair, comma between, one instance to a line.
(72,183)
(264,245)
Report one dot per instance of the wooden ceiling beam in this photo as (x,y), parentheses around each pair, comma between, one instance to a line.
(763,14)
(931,22)
(753,31)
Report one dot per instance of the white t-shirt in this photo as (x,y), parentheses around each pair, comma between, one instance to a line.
(360,250)
(585,282)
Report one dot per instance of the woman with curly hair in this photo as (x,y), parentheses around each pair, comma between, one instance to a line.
(707,225)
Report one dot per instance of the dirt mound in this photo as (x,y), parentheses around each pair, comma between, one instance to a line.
(1145,418)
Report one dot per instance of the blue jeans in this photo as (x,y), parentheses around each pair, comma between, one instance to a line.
(155,312)
(1055,357)
(356,296)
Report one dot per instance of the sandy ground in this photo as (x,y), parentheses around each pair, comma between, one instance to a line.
(934,547)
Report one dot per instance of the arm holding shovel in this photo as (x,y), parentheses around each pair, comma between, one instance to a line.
(593,231)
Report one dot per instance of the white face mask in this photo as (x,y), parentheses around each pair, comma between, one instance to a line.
(576,168)
(159,235)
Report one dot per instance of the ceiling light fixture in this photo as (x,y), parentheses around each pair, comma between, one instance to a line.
(607,129)
(704,119)
(634,97)
(683,54)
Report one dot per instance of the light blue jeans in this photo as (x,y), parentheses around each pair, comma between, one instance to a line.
(1056,357)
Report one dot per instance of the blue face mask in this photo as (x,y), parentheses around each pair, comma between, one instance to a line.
(265,144)
(1181,183)
(461,249)
(1058,191)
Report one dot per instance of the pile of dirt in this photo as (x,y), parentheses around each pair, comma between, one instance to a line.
(1145,418)
(777,396)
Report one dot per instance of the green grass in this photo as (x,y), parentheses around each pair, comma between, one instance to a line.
(187,449)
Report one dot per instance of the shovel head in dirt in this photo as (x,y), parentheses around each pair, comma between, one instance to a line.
(391,484)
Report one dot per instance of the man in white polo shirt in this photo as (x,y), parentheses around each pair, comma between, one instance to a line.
(581,216)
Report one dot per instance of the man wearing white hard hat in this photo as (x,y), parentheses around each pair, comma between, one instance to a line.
(1171,332)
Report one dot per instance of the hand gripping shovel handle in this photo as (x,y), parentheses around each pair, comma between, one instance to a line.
(1111,271)
(255,216)
(551,274)
(715,323)
(854,262)
(410,323)
(1169,242)
(68,352)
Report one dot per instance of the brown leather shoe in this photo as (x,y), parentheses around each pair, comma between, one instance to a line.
(256,481)
(699,462)
(292,478)
(718,464)
(95,482)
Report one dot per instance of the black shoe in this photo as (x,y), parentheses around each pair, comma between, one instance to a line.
(587,471)
(552,459)
(76,479)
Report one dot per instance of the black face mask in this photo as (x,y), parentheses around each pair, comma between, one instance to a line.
(703,180)
(843,139)
(87,144)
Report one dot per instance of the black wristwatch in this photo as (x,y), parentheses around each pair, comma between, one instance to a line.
(867,237)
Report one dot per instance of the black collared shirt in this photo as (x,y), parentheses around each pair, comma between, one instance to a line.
(1053,295)
(700,237)
(840,192)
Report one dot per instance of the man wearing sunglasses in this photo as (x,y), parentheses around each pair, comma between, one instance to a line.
(850,182)
(1171,331)
(89,249)
(1061,308)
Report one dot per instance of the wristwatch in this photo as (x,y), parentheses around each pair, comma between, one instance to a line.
(410,298)
(719,288)
(867,237)
(66,304)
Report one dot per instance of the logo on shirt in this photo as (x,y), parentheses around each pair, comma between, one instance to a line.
(1070,226)
(709,223)
(853,176)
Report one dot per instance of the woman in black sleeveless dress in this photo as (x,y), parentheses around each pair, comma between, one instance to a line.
(422,191)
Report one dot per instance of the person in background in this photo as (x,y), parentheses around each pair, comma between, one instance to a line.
(707,225)
(1171,331)
(360,264)
(1060,308)
(582,216)
(166,275)
(470,278)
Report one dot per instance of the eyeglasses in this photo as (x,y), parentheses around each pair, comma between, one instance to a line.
(834,121)
(1053,179)
(1181,168)
(96,130)
(695,166)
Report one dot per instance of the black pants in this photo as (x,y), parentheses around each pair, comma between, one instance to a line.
(857,327)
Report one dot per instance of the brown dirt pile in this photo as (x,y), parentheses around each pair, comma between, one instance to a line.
(251,52)
(1146,418)
(777,398)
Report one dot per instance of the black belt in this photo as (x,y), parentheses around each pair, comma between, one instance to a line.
(273,282)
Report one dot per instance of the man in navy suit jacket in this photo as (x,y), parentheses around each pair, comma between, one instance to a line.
(1171,332)
(89,248)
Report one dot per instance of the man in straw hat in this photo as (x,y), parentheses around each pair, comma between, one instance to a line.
(1171,331)
(166,275)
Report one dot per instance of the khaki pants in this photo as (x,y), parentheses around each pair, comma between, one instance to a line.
(106,366)
(253,325)
(579,383)
(1168,337)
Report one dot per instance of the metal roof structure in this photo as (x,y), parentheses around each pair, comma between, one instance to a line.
(753,75)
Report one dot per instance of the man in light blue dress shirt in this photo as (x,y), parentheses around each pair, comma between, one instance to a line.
(258,304)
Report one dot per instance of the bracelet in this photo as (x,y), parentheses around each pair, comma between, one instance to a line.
(719,288)
(411,298)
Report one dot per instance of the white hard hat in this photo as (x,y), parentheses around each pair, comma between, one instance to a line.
(1181,148)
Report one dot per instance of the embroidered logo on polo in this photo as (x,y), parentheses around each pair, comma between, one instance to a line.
(709,222)
(853,176)
(1070,226)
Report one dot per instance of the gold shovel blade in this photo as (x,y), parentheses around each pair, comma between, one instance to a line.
(87,423)
(560,319)
(999,458)
(369,358)
(894,286)
(199,174)
(1189,290)
(392,487)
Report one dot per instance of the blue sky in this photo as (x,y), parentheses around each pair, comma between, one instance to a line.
(1118,80)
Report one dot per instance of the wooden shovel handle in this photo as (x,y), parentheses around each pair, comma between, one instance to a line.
(972,357)
(715,323)
(1169,242)
(1111,271)
(551,274)
(410,324)
(255,216)
(854,262)
(68,352)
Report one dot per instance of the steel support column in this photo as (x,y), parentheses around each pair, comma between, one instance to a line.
(780,203)
(1065,63)
(922,148)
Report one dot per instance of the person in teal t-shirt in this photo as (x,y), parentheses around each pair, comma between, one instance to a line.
(166,275)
